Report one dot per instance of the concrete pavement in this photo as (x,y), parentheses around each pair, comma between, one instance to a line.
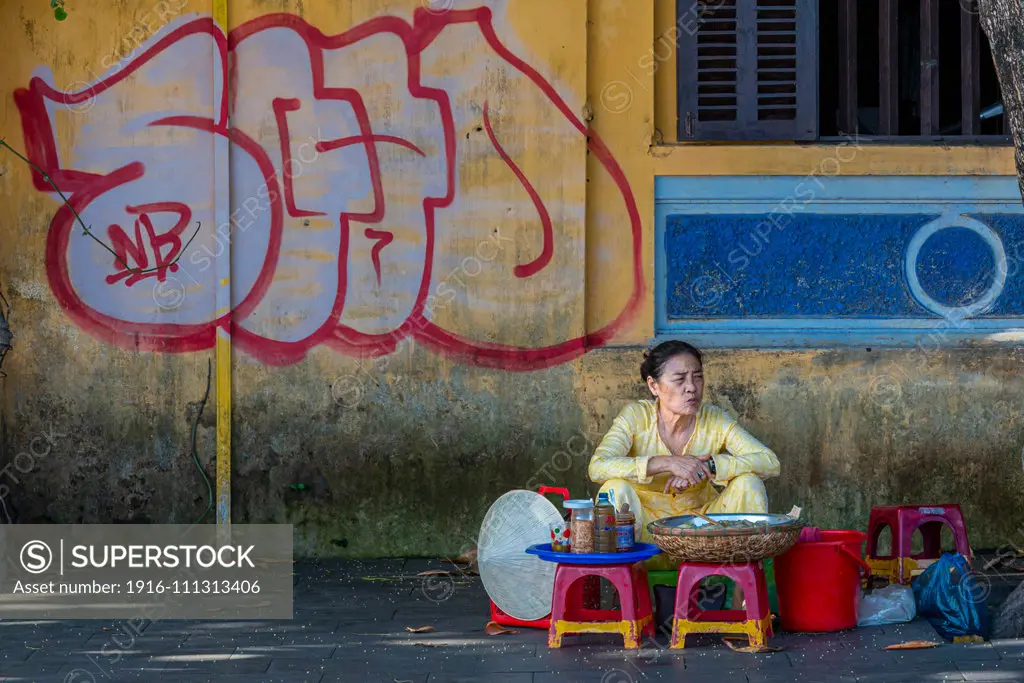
(350,625)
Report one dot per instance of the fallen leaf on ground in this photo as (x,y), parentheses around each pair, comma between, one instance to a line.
(493,628)
(425,644)
(912,645)
(468,557)
(1010,562)
(743,645)
(419,629)
(435,572)
(466,569)
(968,639)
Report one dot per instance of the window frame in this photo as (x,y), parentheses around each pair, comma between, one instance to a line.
(805,128)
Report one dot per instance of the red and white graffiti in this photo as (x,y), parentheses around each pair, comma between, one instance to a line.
(364,167)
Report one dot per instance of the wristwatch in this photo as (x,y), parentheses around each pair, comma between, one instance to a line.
(711,466)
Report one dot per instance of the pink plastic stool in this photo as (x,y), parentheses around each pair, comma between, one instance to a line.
(568,614)
(755,622)
(900,565)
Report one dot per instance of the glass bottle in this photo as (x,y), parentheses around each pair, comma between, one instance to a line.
(605,530)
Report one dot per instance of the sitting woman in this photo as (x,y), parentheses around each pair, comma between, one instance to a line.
(662,456)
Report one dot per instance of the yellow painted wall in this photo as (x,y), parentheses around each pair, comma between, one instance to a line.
(402,423)
(427,303)
(855,427)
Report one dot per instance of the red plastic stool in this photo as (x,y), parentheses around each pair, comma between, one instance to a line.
(569,615)
(900,565)
(755,622)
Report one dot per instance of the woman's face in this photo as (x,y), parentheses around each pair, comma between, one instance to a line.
(681,385)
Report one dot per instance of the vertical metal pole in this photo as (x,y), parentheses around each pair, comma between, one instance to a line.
(970,72)
(888,67)
(929,68)
(222,202)
(848,112)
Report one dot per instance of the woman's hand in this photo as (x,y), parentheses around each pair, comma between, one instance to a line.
(676,485)
(686,471)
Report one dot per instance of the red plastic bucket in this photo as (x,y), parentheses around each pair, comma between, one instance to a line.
(818,583)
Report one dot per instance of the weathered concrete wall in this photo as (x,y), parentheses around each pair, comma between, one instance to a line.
(858,428)
(411,342)
(405,416)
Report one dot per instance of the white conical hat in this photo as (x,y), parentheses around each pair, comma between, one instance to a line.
(519,584)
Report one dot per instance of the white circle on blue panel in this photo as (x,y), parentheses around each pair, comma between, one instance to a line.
(990,238)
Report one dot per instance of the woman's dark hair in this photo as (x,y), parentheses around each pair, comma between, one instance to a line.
(655,359)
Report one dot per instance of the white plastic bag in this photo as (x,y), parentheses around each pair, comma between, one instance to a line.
(893,604)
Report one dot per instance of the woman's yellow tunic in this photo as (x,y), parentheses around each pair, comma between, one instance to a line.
(741,461)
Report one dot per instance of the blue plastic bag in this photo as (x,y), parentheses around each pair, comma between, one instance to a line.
(894,604)
(949,595)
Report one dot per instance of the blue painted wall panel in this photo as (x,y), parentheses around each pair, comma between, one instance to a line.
(956,266)
(775,261)
(829,265)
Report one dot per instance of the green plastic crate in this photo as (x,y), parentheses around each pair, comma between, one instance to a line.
(668,578)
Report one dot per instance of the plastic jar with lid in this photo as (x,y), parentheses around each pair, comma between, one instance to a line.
(624,538)
(581,525)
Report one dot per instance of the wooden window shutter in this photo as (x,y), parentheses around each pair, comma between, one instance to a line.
(747,69)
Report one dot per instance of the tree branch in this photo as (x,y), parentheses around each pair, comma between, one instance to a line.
(85,228)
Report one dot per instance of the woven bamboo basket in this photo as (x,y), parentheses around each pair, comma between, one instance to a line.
(689,538)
